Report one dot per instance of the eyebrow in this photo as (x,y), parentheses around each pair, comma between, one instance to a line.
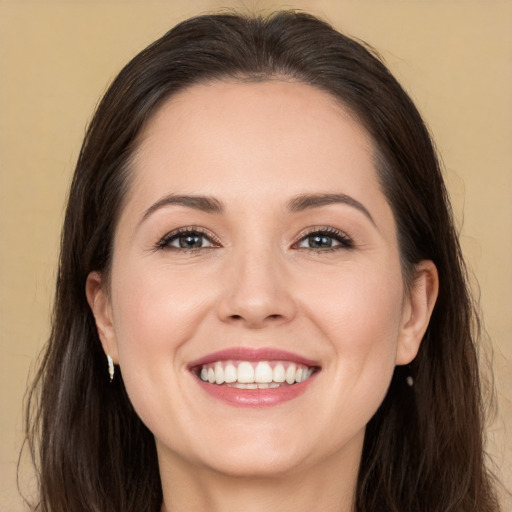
(308,201)
(297,204)
(203,203)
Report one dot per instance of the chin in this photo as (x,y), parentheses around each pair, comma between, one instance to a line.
(263,464)
(255,454)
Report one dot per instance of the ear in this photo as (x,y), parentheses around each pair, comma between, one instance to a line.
(418,308)
(99,303)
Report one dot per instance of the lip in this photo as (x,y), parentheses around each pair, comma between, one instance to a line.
(250,354)
(253,397)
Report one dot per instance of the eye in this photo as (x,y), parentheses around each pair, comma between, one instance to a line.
(325,239)
(186,239)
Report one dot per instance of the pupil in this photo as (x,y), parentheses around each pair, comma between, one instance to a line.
(190,241)
(319,241)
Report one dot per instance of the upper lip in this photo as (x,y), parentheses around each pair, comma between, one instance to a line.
(251,354)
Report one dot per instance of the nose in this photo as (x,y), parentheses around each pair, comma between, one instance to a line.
(256,291)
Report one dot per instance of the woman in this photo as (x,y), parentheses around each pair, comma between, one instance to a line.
(261,300)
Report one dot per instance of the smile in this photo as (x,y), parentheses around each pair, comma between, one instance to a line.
(254,375)
(245,377)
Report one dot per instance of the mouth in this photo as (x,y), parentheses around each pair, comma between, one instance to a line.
(254,375)
(250,377)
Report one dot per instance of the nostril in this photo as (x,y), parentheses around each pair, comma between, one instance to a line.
(251,320)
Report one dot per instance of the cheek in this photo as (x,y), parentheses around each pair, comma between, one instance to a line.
(360,314)
(362,325)
(155,311)
(358,303)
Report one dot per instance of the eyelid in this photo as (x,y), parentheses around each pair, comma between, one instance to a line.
(164,242)
(345,241)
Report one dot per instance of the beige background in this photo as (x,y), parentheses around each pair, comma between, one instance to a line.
(57,57)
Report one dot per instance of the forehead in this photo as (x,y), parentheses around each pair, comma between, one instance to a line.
(240,132)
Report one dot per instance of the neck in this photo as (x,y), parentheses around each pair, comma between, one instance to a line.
(329,486)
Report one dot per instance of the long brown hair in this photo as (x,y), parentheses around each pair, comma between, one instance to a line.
(423,449)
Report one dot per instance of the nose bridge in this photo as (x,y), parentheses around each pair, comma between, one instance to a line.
(255,291)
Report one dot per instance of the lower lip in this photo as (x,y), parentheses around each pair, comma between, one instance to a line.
(255,397)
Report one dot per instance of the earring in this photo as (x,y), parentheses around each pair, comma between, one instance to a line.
(409,379)
(110,367)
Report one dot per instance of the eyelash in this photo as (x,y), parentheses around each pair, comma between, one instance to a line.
(165,242)
(345,242)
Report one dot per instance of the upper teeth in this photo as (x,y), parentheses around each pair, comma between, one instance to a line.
(271,374)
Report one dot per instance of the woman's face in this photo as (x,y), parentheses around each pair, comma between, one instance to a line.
(256,249)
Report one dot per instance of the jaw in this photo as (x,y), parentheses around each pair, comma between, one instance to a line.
(271,479)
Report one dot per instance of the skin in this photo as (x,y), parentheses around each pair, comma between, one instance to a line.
(257,282)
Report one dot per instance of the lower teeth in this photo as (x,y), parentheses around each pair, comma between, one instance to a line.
(239,385)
